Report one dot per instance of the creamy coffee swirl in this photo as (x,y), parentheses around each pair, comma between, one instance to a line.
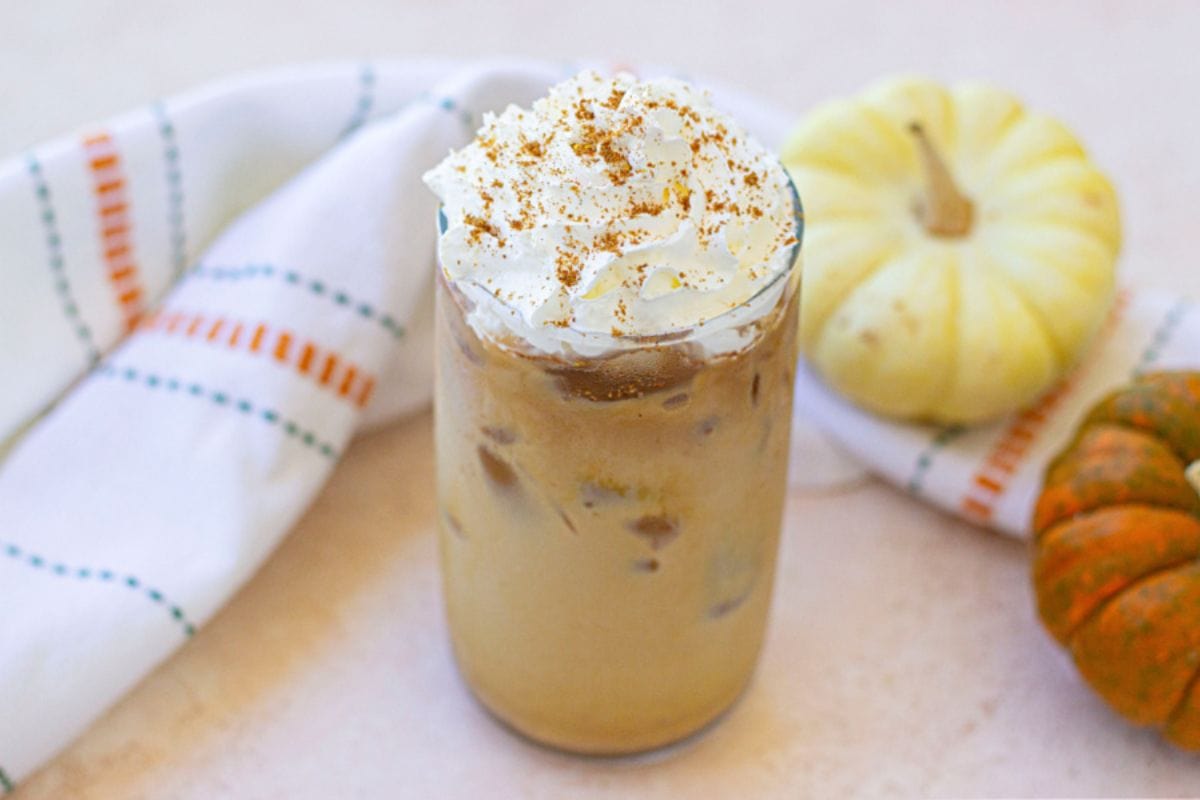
(612,209)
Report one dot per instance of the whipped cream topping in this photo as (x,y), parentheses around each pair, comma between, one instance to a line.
(613,209)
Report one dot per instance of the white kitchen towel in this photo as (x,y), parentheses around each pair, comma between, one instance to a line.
(991,474)
(204,300)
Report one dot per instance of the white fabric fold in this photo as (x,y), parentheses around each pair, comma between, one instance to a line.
(991,475)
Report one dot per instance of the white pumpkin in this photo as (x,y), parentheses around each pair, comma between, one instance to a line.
(959,252)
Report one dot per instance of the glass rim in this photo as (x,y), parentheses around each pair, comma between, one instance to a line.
(629,341)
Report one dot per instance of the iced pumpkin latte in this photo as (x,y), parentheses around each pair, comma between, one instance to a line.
(616,341)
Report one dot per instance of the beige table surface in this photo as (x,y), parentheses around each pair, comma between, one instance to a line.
(903,656)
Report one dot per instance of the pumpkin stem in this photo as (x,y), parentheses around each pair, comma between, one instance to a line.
(944,211)
(1193,475)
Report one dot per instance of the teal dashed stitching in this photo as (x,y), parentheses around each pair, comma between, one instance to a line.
(1162,336)
(464,115)
(925,459)
(365,102)
(175,223)
(271,417)
(57,263)
(450,105)
(16,553)
(6,784)
(293,278)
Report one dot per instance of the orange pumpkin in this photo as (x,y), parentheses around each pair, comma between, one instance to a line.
(1117,552)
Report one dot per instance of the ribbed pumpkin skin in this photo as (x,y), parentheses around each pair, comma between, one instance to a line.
(1116,566)
(919,324)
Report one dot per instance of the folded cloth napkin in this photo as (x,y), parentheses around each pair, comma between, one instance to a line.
(991,475)
(210,295)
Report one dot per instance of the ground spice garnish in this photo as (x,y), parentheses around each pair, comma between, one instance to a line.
(609,241)
(598,132)
(620,168)
(480,226)
(567,268)
(650,209)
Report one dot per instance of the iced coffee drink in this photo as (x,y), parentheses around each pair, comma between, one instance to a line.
(616,343)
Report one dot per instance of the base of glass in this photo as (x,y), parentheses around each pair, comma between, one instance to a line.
(642,754)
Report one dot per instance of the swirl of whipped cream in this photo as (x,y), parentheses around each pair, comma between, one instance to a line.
(613,209)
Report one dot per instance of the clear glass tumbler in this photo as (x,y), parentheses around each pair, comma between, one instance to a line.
(609,525)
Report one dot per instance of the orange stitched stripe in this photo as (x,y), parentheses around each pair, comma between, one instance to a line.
(119,266)
(1002,464)
(347,381)
(120,251)
(989,484)
(352,384)
(1006,448)
(112,207)
(123,273)
(976,508)
(282,346)
(215,330)
(364,396)
(1020,432)
(327,372)
(1034,415)
(306,357)
(256,342)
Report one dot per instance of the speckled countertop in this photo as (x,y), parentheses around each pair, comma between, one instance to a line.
(903,657)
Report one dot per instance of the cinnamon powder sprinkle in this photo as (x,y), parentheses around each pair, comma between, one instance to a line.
(614,99)
(480,226)
(620,168)
(645,208)
(608,241)
(585,140)
(567,268)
